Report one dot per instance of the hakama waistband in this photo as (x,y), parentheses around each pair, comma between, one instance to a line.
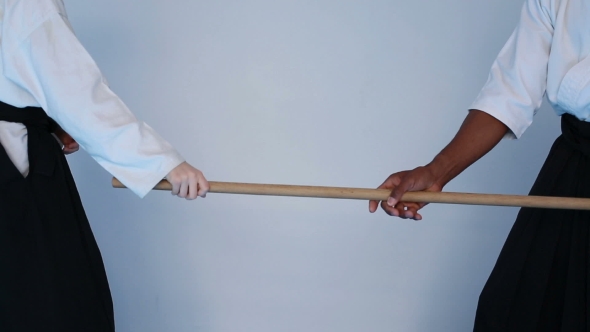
(43,148)
(576,133)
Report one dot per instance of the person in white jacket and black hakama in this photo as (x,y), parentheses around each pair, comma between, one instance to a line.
(541,281)
(52,276)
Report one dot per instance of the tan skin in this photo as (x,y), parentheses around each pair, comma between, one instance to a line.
(187,181)
(479,133)
(69,144)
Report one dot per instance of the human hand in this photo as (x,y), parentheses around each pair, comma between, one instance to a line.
(187,182)
(418,179)
(69,145)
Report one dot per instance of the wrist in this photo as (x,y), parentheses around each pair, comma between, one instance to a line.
(441,169)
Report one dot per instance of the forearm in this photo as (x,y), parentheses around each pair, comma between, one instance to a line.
(479,133)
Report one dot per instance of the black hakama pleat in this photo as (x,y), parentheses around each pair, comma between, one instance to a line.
(540,280)
(52,276)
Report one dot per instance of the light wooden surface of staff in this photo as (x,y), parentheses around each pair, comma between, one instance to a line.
(382,194)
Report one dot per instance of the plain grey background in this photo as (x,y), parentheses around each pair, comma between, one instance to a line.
(323,92)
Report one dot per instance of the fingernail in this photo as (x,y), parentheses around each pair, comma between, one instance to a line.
(390,201)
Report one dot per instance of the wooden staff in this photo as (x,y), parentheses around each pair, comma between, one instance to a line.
(382,194)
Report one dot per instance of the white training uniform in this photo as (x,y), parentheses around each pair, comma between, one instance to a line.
(546,54)
(42,64)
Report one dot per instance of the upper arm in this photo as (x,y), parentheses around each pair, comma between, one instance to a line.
(518,78)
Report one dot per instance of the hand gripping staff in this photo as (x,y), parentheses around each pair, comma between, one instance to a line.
(545,202)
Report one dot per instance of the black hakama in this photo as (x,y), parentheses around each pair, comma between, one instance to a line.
(52,276)
(541,279)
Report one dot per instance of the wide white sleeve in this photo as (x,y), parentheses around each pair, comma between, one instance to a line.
(518,78)
(55,68)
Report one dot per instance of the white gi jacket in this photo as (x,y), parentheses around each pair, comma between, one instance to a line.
(43,64)
(546,54)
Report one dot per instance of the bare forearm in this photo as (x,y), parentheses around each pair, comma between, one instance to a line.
(479,133)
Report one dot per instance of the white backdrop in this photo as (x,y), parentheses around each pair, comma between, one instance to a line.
(323,92)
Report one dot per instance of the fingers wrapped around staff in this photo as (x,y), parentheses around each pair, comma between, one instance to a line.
(187,182)
(418,179)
